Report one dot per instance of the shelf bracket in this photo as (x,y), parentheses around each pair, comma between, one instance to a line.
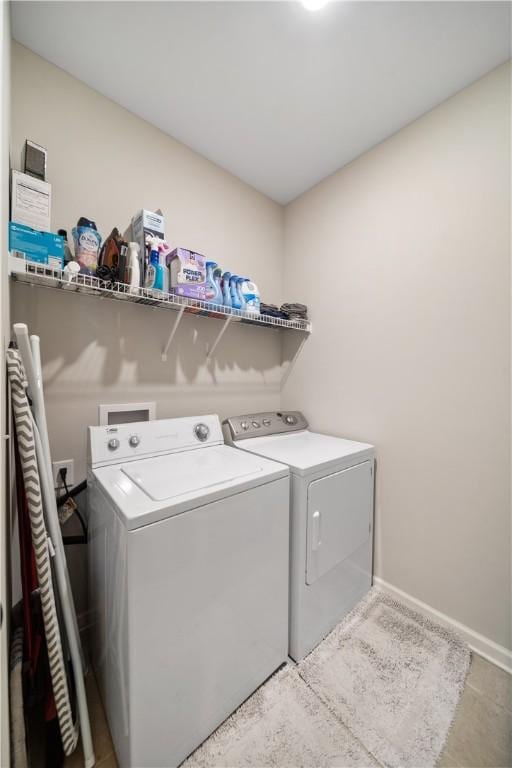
(290,365)
(219,336)
(172,334)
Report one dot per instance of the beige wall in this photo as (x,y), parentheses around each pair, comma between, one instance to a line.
(105,163)
(403,258)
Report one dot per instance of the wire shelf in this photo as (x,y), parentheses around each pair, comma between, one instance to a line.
(35,274)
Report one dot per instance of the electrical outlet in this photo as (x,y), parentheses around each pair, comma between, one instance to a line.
(69,464)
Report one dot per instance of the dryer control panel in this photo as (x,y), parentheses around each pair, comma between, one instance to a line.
(262,424)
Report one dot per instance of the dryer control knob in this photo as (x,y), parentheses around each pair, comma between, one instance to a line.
(134,441)
(245,425)
(290,419)
(113,444)
(202,432)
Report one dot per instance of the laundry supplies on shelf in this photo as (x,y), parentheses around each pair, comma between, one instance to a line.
(187,273)
(87,245)
(213,293)
(249,296)
(154,278)
(27,245)
(146,224)
(112,262)
(233,290)
(68,256)
(295,311)
(226,293)
(133,269)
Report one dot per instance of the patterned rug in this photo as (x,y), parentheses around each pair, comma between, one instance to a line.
(381,689)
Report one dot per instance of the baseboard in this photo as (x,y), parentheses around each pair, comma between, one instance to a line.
(485,647)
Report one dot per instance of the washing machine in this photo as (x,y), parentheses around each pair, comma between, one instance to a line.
(331,517)
(188,565)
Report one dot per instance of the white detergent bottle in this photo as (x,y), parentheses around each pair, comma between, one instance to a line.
(251,295)
(239,283)
(133,276)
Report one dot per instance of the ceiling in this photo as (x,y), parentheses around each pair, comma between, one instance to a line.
(274,93)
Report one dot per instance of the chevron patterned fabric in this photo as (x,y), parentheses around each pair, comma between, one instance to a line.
(26,446)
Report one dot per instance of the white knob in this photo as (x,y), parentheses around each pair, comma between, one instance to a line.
(113,444)
(134,441)
(245,425)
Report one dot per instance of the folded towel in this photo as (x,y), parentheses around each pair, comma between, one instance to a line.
(272,311)
(295,311)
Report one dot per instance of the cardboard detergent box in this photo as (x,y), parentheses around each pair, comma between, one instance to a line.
(187,273)
(146,223)
(31,201)
(30,246)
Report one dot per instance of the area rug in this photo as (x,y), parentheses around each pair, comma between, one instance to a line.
(284,725)
(392,677)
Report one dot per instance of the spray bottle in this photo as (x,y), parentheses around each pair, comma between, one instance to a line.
(155,272)
(133,270)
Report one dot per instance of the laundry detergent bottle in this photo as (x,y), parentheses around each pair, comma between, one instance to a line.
(213,293)
(251,295)
(226,293)
(241,297)
(133,270)
(217,276)
(233,290)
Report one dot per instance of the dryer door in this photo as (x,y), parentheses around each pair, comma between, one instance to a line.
(340,511)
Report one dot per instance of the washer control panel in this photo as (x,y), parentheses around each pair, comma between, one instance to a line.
(262,424)
(116,443)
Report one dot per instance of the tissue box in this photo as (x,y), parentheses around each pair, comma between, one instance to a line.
(31,201)
(187,274)
(29,246)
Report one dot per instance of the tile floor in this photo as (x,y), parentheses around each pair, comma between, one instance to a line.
(481,736)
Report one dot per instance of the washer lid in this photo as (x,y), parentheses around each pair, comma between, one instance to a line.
(149,490)
(166,477)
(306,452)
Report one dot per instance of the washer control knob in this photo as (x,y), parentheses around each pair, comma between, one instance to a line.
(244,425)
(134,441)
(113,444)
(266,422)
(201,431)
(256,424)
(290,419)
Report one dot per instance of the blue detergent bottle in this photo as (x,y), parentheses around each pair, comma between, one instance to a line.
(217,276)
(241,297)
(233,289)
(226,293)
(213,295)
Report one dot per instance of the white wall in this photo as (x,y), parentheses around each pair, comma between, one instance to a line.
(105,163)
(403,258)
